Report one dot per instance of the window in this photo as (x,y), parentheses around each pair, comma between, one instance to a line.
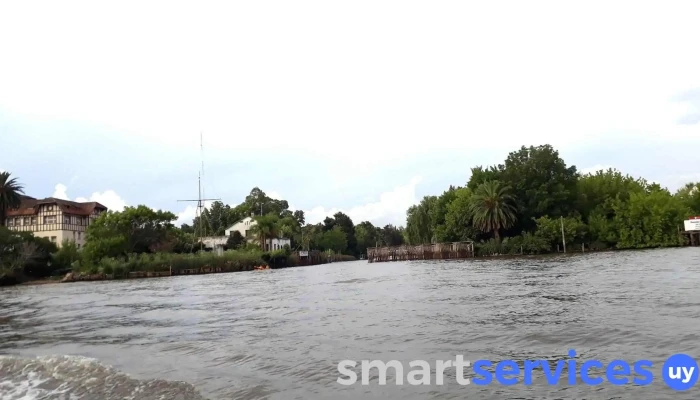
(66,220)
(79,235)
(33,220)
(53,239)
(50,208)
(10,222)
(51,219)
(26,220)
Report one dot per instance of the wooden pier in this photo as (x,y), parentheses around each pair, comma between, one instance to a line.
(693,237)
(435,251)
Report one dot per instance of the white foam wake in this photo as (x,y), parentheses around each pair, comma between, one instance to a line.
(80,378)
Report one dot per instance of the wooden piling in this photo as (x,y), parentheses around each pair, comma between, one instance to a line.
(693,237)
(435,251)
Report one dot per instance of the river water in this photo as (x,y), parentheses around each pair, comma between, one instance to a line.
(280,334)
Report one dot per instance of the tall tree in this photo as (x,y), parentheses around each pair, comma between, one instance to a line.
(482,174)
(348,227)
(265,228)
(458,221)
(11,192)
(259,203)
(235,241)
(391,236)
(541,183)
(334,239)
(492,208)
(419,227)
(366,235)
(690,196)
(299,216)
(133,230)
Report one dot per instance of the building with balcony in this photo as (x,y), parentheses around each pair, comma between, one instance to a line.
(54,219)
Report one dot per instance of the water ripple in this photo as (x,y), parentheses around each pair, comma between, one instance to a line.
(280,334)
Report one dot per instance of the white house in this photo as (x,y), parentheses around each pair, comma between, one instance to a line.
(244,227)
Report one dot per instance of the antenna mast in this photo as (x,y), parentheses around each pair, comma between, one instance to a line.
(200,201)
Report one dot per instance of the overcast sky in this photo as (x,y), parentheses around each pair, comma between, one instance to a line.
(359,106)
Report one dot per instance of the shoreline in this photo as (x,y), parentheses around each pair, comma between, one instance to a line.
(147,275)
(207,270)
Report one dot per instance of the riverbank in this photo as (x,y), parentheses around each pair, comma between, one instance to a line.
(167,264)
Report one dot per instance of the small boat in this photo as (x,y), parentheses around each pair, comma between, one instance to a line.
(261,267)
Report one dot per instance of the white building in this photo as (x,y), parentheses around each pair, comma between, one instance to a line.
(244,227)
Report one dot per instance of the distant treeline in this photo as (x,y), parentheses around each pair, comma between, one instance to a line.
(519,206)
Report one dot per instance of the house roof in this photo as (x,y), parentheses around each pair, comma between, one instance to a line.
(237,222)
(30,206)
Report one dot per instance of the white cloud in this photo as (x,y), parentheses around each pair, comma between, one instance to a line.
(595,168)
(274,195)
(60,192)
(389,209)
(397,89)
(108,198)
(187,215)
(675,182)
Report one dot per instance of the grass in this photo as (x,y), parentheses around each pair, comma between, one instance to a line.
(231,261)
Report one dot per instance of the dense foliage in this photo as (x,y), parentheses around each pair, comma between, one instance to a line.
(10,194)
(519,206)
(534,193)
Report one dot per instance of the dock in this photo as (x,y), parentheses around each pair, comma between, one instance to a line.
(435,251)
(693,237)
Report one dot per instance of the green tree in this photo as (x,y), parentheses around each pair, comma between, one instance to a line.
(690,196)
(482,174)
(66,255)
(299,216)
(328,224)
(348,227)
(390,235)
(541,184)
(133,230)
(366,235)
(11,192)
(597,191)
(259,203)
(21,253)
(549,229)
(334,240)
(649,220)
(458,220)
(419,227)
(289,228)
(265,228)
(235,241)
(438,215)
(492,208)
(187,228)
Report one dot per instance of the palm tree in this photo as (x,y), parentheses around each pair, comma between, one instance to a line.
(265,227)
(10,195)
(492,208)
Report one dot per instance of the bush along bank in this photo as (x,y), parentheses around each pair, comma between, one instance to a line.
(168,264)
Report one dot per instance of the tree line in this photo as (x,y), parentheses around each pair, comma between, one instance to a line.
(336,233)
(134,233)
(519,207)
